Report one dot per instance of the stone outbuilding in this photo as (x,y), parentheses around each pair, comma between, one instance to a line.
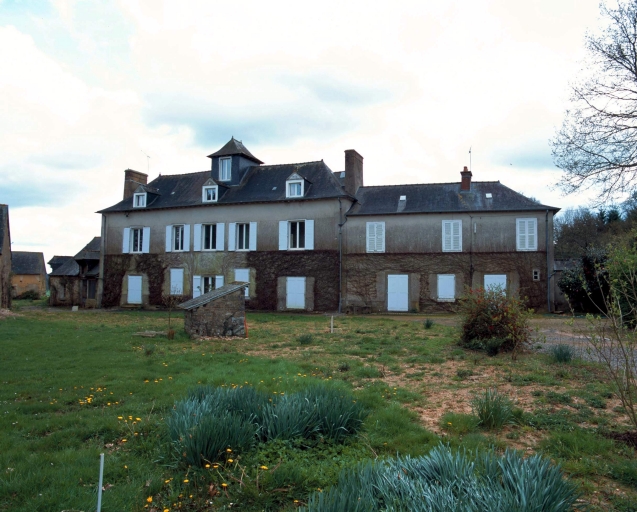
(74,279)
(28,273)
(220,312)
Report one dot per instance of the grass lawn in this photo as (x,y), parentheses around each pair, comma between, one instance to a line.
(74,385)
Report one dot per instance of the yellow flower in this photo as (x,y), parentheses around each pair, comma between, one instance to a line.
(166,510)
(207,465)
(138,419)
(215,466)
(124,440)
(448,423)
(166,481)
(120,418)
(224,485)
(149,499)
(229,450)
(264,467)
(230,461)
(186,480)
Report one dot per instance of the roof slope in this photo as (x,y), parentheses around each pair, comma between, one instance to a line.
(442,198)
(261,183)
(58,261)
(70,267)
(4,224)
(235,147)
(212,295)
(91,251)
(27,263)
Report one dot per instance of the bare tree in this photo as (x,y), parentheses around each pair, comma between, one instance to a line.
(597,143)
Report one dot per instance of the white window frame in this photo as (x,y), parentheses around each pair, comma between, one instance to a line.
(375,236)
(204,193)
(213,239)
(228,170)
(523,244)
(291,224)
(450,247)
(178,245)
(139,199)
(243,236)
(288,188)
(446,299)
(140,240)
(176,288)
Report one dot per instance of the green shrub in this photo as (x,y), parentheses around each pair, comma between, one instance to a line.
(492,321)
(306,339)
(444,481)
(562,353)
(28,295)
(492,409)
(428,323)
(462,374)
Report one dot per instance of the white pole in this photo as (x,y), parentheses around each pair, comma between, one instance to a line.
(99,489)
(332,325)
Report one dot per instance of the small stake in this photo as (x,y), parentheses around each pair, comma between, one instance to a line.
(99,489)
(332,325)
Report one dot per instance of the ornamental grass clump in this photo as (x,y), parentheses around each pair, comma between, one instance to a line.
(493,409)
(562,353)
(442,481)
(493,322)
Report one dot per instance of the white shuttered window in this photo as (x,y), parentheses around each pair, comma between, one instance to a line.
(526,234)
(452,235)
(446,287)
(375,237)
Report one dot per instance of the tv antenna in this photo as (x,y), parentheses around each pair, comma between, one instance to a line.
(148,160)
(469,158)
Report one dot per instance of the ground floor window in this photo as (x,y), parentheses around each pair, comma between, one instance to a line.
(295,293)
(495,281)
(91,288)
(242,275)
(176,281)
(446,287)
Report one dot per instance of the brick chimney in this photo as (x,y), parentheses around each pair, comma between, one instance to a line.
(465,184)
(132,180)
(353,171)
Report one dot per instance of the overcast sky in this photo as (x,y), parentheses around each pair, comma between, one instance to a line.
(89,88)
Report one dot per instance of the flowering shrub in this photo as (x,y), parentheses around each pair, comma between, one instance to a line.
(492,321)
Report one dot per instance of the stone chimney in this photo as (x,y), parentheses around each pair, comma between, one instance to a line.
(465,184)
(353,171)
(132,180)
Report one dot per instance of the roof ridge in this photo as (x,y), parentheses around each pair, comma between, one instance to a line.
(419,184)
(296,163)
(180,174)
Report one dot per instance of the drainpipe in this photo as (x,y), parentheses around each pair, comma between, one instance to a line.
(341,223)
(473,232)
(548,270)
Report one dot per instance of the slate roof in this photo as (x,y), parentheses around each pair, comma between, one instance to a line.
(91,251)
(27,263)
(58,261)
(442,198)
(235,147)
(4,223)
(261,183)
(212,295)
(69,268)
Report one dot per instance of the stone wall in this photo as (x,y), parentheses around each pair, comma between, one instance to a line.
(65,291)
(28,283)
(224,316)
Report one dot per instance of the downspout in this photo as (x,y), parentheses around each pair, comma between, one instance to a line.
(472,227)
(548,270)
(340,255)
(100,279)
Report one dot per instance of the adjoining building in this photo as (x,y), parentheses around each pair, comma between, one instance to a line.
(73,280)
(306,238)
(28,274)
(5,258)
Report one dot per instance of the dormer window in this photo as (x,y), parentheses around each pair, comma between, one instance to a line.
(210,194)
(225,169)
(139,200)
(294,186)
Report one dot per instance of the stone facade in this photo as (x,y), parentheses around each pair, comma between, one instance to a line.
(5,258)
(223,316)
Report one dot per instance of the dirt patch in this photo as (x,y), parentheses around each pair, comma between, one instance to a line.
(5,313)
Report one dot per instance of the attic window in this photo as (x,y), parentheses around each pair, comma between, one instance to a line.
(273,188)
(489,195)
(139,200)
(294,188)
(210,194)
(342,174)
(403,198)
(225,169)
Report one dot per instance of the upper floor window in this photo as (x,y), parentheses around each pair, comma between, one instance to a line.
(526,234)
(243,237)
(225,169)
(210,194)
(452,235)
(297,234)
(209,237)
(139,200)
(178,237)
(294,189)
(137,240)
(375,237)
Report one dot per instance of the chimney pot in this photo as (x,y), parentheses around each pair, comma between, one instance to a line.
(465,183)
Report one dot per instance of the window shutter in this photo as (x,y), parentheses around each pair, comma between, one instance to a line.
(197,238)
(196,286)
(169,238)
(253,236)
(220,236)
(218,281)
(531,234)
(126,241)
(455,236)
(446,235)
(371,237)
(186,237)
(283,235)
(309,234)
(146,240)
(521,234)
(232,237)
(380,236)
